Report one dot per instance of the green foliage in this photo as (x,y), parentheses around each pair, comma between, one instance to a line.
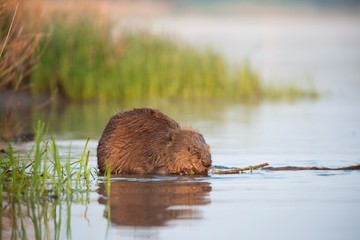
(75,55)
(36,184)
(41,172)
(247,84)
(83,61)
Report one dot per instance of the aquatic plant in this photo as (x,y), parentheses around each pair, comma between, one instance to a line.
(41,171)
(36,183)
(139,65)
(84,61)
(77,56)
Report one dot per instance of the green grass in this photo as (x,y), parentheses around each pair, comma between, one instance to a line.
(37,183)
(81,60)
(41,171)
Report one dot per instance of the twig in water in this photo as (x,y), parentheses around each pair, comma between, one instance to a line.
(240,170)
(295,168)
(286,168)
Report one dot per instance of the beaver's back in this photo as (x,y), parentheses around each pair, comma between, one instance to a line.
(131,140)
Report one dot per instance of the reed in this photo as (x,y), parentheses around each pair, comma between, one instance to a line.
(35,184)
(17,47)
(42,171)
(75,54)
(83,61)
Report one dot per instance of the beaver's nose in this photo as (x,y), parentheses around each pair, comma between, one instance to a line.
(206,162)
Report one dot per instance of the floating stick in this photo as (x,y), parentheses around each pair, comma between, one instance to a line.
(239,170)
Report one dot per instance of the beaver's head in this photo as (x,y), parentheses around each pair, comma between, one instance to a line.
(190,153)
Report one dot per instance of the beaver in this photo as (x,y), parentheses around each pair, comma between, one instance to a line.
(145,141)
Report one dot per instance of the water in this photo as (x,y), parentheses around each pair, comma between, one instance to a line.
(263,204)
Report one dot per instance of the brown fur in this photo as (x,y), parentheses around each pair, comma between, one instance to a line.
(145,141)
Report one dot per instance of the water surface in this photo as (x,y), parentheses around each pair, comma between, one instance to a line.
(258,205)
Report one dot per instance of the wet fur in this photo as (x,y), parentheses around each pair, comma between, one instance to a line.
(145,141)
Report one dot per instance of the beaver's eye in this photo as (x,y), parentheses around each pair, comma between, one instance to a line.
(194,152)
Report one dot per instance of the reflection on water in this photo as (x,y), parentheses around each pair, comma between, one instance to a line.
(154,202)
(38,218)
(80,121)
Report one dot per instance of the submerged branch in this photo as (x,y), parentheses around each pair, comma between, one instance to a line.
(294,168)
(286,168)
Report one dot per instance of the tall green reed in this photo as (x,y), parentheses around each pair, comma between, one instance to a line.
(35,184)
(83,61)
(42,171)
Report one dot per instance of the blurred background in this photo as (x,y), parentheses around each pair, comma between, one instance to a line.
(63,56)
(57,53)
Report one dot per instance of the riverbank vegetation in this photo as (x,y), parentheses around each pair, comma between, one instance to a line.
(38,185)
(41,171)
(79,58)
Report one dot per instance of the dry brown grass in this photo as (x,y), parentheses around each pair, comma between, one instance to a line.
(18,55)
(17,45)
